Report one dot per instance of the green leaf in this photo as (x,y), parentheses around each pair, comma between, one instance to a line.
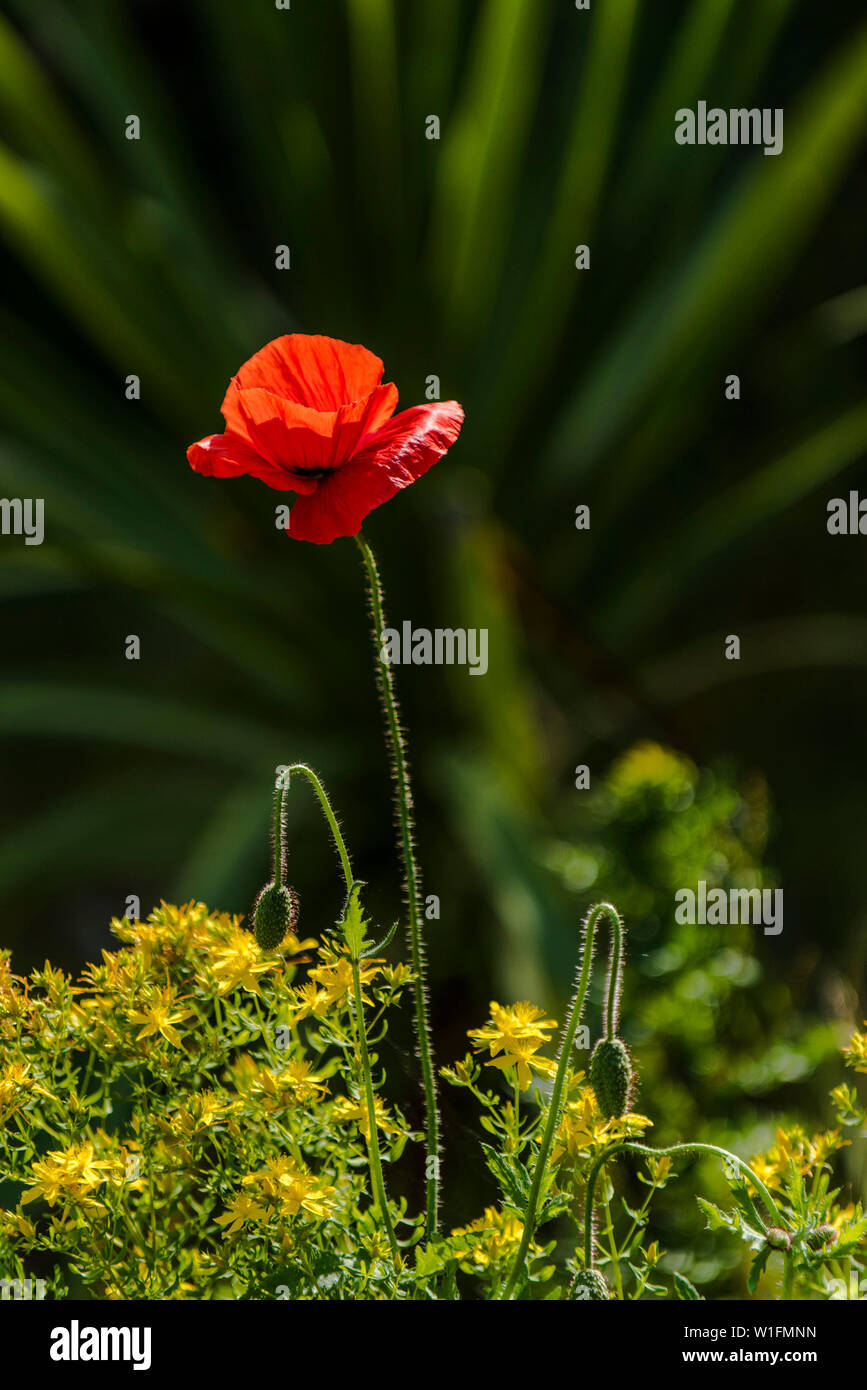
(353,925)
(759,1262)
(685,1290)
(512,1176)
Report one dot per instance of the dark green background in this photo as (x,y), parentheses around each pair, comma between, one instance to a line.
(455,257)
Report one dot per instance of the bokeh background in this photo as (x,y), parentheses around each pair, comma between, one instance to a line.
(455,257)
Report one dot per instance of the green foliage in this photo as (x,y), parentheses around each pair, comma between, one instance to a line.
(193,1119)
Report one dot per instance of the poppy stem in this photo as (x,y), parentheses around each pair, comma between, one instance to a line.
(556,1103)
(629,1146)
(411,879)
(373,1150)
(279,817)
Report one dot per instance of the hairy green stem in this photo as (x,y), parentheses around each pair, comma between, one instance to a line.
(280,800)
(373,1150)
(628,1146)
(556,1103)
(411,881)
(373,1140)
(278,833)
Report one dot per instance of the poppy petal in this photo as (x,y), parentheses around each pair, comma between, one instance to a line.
(284,433)
(387,460)
(322,373)
(228,456)
(362,418)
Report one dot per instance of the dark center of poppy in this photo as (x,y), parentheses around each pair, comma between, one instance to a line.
(308,472)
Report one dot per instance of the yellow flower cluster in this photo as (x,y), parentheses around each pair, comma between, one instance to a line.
(513,1036)
(855,1051)
(16,1084)
(584,1131)
(72,1174)
(796,1152)
(296,1084)
(283,1188)
(356,1111)
(495,1237)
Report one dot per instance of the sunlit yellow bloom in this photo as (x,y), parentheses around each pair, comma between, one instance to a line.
(73,1173)
(16,1083)
(12,1224)
(517,1033)
(237,962)
(172,931)
(159,1015)
(346,1109)
(398,975)
(335,976)
(203,1110)
(297,1082)
(855,1051)
(583,1130)
(307,999)
(241,1210)
(795,1151)
(291,1187)
(495,1237)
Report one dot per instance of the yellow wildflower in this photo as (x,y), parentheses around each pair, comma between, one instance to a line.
(307,999)
(335,976)
(15,1083)
(237,962)
(584,1130)
(297,1082)
(288,1184)
(795,1150)
(73,1173)
(159,1015)
(203,1110)
(855,1051)
(241,1210)
(346,1109)
(494,1237)
(517,1033)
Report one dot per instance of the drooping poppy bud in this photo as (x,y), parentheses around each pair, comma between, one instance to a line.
(821,1236)
(275,914)
(611,1077)
(590,1285)
(777,1238)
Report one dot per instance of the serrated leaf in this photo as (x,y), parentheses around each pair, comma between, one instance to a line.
(512,1176)
(353,925)
(685,1290)
(716,1219)
(757,1267)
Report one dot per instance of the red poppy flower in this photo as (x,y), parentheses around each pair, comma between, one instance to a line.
(309,415)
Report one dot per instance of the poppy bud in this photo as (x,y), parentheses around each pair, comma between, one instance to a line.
(777,1238)
(590,1286)
(275,914)
(822,1235)
(611,1077)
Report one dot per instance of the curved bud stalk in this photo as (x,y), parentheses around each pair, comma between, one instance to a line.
(275,911)
(629,1146)
(615,973)
(353,927)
